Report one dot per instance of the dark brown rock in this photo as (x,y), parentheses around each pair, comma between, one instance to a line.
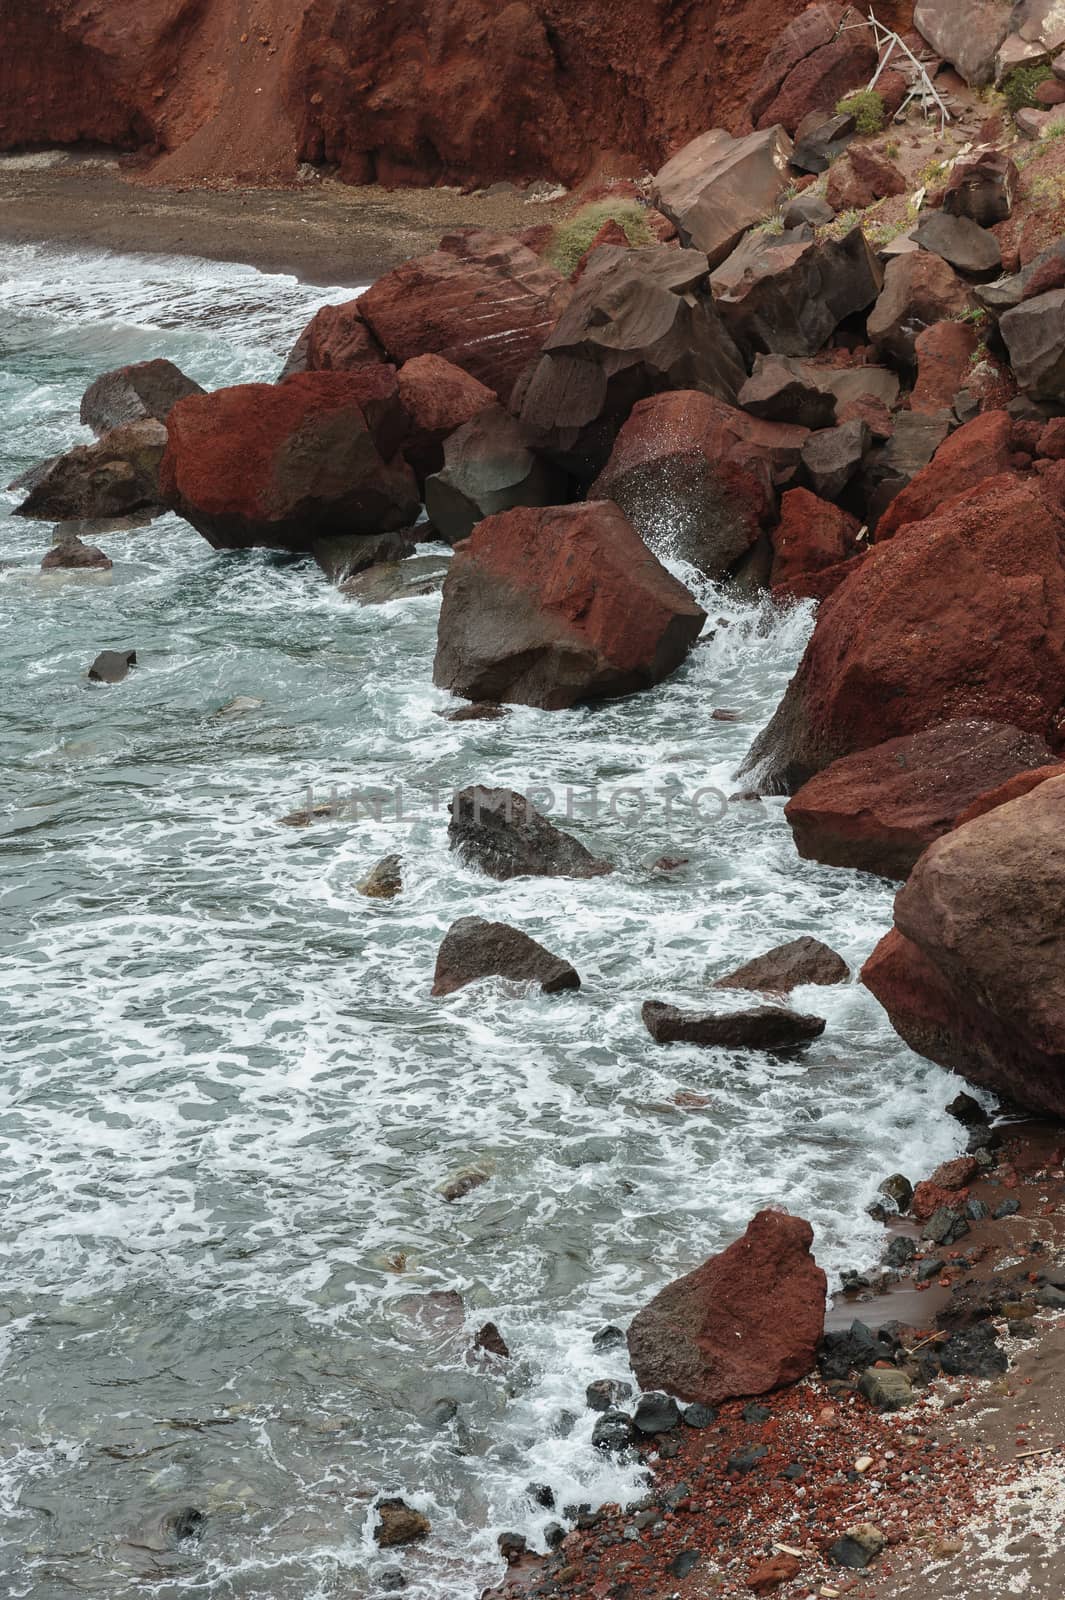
(759,1028)
(117,475)
(788,295)
(474,948)
(143,392)
(919,289)
(488,467)
(787,966)
(717,187)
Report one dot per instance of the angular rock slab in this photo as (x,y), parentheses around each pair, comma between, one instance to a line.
(967,33)
(500,832)
(879,809)
(973,974)
(1035,338)
(717,187)
(747,1321)
(488,468)
(787,295)
(759,1028)
(473,949)
(556,606)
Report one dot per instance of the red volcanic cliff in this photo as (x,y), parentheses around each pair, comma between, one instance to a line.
(393,90)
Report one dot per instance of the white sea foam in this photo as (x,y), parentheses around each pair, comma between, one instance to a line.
(226,1099)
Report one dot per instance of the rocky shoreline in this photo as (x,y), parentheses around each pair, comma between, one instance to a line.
(815,372)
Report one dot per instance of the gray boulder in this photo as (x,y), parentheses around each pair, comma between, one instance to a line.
(146,391)
(1034,333)
(967,33)
(834,456)
(500,832)
(488,467)
(969,249)
(787,295)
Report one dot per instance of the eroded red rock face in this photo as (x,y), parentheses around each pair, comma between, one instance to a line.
(746,1321)
(961,615)
(981,449)
(973,975)
(452,89)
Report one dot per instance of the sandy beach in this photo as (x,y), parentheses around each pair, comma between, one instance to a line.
(323,233)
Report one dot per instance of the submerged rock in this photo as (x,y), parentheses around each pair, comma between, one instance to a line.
(760,1028)
(386,581)
(500,832)
(384,881)
(71,554)
(474,948)
(746,1321)
(555,606)
(398,1523)
(111,666)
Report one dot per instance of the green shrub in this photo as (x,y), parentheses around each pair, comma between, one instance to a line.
(573,236)
(867,109)
(1019,86)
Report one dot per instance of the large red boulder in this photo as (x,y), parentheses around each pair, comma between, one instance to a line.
(695,476)
(553,606)
(438,398)
(973,974)
(746,1321)
(811,536)
(286,465)
(981,449)
(335,340)
(482,300)
(959,616)
(878,809)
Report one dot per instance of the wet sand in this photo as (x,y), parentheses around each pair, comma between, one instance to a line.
(323,233)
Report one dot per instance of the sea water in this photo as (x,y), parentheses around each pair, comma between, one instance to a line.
(227,1101)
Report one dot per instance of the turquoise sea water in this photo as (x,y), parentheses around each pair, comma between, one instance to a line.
(227,1280)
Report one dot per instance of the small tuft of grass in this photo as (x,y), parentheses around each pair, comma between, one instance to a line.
(573,237)
(977,315)
(891,149)
(1019,86)
(867,109)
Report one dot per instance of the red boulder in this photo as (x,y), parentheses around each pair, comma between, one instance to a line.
(695,476)
(959,616)
(553,606)
(335,340)
(859,178)
(981,449)
(285,465)
(973,973)
(812,535)
(1012,789)
(878,809)
(746,1321)
(482,300)
(824,76)
(438,399)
